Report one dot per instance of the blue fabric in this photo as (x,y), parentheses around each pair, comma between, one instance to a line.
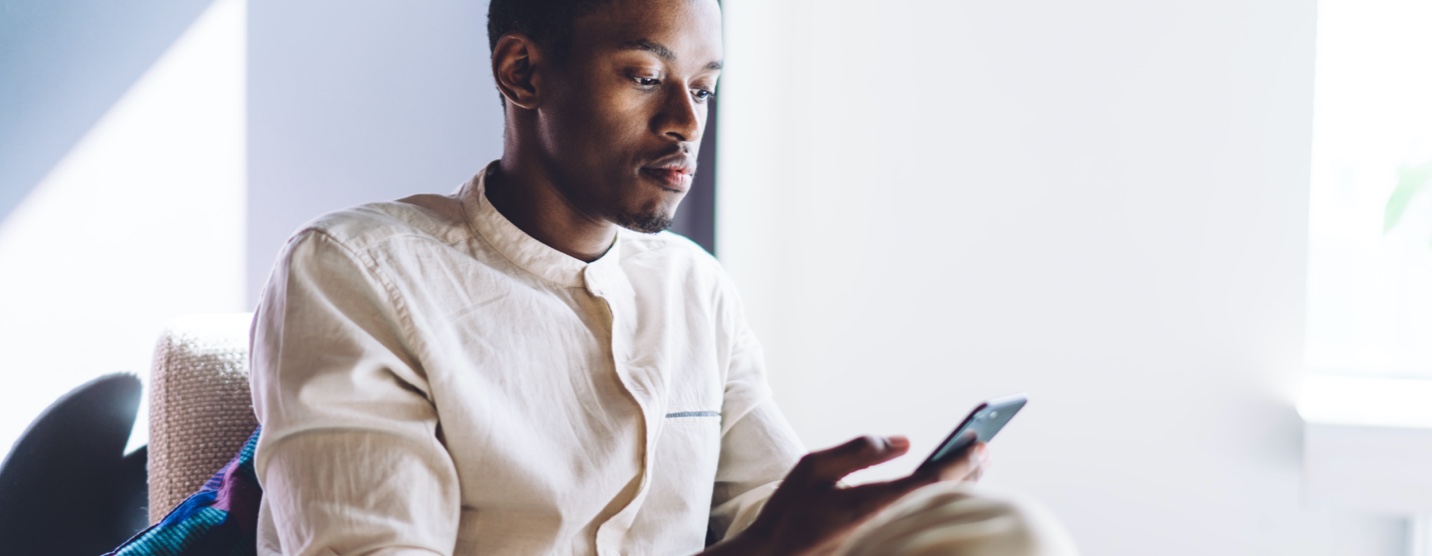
(221,519)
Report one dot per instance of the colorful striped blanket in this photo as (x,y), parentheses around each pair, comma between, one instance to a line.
(220,520)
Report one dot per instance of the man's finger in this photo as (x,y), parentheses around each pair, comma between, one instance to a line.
(832,464)
(966,467)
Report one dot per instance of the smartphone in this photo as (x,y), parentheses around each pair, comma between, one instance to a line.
(985,421)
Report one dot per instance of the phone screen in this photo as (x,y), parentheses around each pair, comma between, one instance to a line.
(985,421)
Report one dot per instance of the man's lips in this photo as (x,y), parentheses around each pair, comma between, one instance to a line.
(674,179)
(673,171)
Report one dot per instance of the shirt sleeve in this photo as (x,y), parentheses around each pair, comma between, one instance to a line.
(758,446)
(350,457)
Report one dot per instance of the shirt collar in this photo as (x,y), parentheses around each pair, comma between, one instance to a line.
(522,249)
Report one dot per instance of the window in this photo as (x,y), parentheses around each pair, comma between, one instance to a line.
(1370,248)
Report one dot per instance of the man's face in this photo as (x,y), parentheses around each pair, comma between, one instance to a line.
(622,116)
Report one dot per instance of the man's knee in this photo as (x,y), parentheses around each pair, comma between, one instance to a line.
(950,519)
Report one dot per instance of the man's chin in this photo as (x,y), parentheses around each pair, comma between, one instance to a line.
(645,223)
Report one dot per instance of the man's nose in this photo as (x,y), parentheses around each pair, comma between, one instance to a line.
(682,118)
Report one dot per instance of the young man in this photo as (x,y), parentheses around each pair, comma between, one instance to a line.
(528,367)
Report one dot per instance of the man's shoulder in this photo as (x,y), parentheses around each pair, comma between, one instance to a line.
(427,217)
(667,247)
(674,255)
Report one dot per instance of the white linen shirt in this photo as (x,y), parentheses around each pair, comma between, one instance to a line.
(432,380)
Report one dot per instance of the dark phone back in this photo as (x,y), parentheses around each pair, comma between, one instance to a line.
(986,420)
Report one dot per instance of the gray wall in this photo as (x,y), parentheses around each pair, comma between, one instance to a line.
(359,101)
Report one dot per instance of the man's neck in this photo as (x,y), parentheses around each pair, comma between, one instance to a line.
(524,193)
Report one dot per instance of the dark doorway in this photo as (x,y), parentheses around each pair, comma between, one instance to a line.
(696,219)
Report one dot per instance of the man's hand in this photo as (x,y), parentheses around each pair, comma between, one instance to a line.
(811,513)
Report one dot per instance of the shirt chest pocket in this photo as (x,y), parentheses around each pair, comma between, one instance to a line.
(691,442)
(695,388)
(687,453)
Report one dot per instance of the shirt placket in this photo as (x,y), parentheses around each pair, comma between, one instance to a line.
(609,285)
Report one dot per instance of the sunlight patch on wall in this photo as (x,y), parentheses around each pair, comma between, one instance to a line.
(142,221)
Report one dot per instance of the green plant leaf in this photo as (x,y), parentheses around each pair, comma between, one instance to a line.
(1411,180)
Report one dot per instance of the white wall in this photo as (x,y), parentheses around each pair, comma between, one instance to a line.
(137,218)
(157,159)
(1101,203)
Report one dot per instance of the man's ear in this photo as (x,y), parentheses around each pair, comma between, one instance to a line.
(514,63)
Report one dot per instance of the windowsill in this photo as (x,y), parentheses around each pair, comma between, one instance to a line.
(1367,443)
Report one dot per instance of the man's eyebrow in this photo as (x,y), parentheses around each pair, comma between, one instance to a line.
(660,50)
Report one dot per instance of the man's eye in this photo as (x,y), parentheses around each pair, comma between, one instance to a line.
(703,94)
(648,81)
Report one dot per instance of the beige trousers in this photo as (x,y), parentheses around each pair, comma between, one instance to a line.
(954,519)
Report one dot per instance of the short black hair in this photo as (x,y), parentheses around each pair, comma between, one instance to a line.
(549,22)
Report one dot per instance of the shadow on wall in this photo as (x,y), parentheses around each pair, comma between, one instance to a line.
(62,65)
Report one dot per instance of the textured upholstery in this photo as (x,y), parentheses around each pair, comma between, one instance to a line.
(200,412)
